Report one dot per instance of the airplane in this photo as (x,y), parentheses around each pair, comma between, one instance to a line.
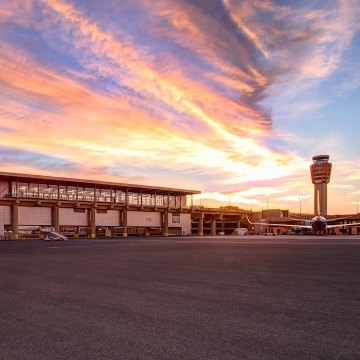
(318,224)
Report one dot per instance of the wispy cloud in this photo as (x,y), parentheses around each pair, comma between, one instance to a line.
(170,85)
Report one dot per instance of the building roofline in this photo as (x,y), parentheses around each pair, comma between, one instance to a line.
(52,180)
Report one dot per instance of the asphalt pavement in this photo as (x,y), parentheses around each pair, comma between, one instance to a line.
(281,297)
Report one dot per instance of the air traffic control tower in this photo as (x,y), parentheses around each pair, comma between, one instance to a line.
(320,175)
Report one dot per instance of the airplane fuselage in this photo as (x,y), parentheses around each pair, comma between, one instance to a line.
(318,224)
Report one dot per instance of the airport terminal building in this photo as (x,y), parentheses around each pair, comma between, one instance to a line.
(87,208)
(33,204)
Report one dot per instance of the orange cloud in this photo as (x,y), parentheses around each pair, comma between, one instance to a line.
(157,108)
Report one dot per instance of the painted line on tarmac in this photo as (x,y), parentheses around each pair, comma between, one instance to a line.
(171,242)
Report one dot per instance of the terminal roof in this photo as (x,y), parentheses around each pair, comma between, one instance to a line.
(52,180)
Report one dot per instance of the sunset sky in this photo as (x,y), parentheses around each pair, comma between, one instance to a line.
(229,97)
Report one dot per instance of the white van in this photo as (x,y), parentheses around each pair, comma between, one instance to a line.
(240,231)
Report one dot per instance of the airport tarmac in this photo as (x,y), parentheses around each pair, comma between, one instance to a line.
(223,297)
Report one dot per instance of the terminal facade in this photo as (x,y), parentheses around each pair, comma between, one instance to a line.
(76,208)
(86,208)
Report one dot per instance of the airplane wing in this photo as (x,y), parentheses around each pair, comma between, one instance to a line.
(342,225)
(284,225)
(336,219)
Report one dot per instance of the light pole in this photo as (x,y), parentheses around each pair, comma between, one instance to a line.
(300,198)
(267,202)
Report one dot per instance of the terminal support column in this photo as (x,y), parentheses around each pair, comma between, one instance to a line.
(56,216)
(166,223)
(107,231)
(201,225)
(92,222)
(15,220)
(213,226)
(124,223)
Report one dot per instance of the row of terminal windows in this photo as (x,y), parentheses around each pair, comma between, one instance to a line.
(84,194)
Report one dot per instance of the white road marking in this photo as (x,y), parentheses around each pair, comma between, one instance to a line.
(172,242)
